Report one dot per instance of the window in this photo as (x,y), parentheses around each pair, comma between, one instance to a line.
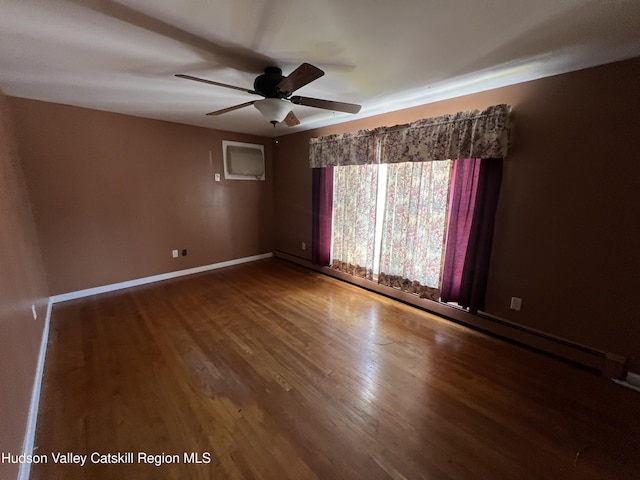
(389,223)
(431,219)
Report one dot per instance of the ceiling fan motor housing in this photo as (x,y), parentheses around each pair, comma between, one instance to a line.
(266,84)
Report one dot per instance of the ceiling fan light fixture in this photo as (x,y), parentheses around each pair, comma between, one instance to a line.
(273,109)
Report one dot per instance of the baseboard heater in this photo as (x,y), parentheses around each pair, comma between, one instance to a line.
(607,364)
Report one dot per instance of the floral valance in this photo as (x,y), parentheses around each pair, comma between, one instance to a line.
(473,134)
(357,148)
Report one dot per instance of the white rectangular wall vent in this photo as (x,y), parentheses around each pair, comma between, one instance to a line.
(243,161)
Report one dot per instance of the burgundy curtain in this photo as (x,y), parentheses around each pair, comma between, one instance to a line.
(474,199)
(473,285)
(462,198)
(322,205)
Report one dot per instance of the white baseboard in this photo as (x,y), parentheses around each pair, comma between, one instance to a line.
(155,278)
(29,438)
(626,384)
(633,379)
(30,434)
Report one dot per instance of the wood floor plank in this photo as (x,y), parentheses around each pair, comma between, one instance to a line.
(282,373)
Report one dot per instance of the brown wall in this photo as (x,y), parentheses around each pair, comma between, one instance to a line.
(22,284)
(114,194)
(567,230)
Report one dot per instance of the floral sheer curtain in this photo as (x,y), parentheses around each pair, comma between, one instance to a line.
(413,231)
(354,219)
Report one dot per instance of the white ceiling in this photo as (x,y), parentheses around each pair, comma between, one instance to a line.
(121,56)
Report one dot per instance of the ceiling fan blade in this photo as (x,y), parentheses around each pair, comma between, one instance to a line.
(231,109)
(291,119)
(304,74)
(326,104)
(211,82)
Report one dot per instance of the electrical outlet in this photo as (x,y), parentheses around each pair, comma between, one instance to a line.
(184,252)
(216,176)
(33,311)
(174,253)
(304,246)
(516,304)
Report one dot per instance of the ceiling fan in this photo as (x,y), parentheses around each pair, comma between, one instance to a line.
(277,91)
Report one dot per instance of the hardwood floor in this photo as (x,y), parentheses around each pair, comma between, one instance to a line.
(282,373)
